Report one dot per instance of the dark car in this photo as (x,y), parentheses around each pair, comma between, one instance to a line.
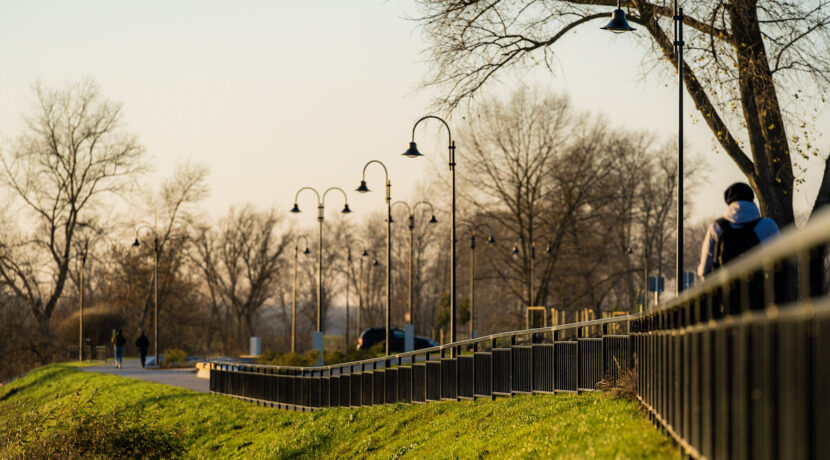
(375,335)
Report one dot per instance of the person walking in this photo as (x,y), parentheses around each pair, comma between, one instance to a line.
(143,343)
(738,231)
(119,340)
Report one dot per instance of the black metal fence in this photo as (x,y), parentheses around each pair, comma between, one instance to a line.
(737,367)
(733,368)
(566,358)
(98,352)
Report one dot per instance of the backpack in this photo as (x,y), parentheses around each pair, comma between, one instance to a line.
(733,241)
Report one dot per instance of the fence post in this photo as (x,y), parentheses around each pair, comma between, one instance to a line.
(578,358)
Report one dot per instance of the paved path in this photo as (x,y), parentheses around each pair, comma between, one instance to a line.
(185,378)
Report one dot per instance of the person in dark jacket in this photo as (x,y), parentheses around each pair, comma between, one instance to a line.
(741,213)
(119,341)
(738,231)
(143,343)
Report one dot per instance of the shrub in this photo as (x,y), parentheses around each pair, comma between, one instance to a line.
(174,357)
(99,322)
(76,429)
(624,384)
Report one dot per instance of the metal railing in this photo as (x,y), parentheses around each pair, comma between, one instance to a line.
(565,358)
(736,367)
(98,352)
(733,368)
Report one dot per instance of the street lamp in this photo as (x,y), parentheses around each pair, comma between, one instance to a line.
(81,283)
(81,302)
(515,251)
(643,306)
(156,250)
(490,240)
(411,211)
(294,288)
(412,152)
(349,286)
(321,201)
(618,24)
(364,189)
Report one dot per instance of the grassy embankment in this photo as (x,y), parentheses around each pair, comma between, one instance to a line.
(59,411)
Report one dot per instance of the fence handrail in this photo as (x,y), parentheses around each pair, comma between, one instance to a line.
(440,348)
(789,243)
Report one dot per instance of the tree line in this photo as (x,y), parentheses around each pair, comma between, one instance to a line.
(576,209)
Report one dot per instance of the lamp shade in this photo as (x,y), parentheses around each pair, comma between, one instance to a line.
(136,243)
(295,209)
(363,188)
(515,249)
(307,251)
(412,151)
(491,240)
(375,262)
(433,220)
(346,209)
(365,253)
(548,249)
(391,220)
(618,24)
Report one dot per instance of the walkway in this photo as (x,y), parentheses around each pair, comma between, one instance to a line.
(184,378)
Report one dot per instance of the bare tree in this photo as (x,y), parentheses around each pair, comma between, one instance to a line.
(170,210)
(744,58)
(240,265)
(73,151)
(528,174)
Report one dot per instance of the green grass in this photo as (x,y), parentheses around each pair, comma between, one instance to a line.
(37,408)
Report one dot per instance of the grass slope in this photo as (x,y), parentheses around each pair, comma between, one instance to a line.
(44,408)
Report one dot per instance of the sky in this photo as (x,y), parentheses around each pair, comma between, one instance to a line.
(276,95)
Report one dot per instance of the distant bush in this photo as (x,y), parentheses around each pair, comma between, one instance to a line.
(99,322)
(174,357)
(309,358)
(79,430)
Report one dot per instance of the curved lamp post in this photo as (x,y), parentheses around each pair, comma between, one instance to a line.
(81,302)
(618,24)
(321,202)
(156,250)
(548,250)
(644,305)
(349,285)
(490,240)
(412,152)
(411,211)
(364,189)
(294,288)
(81,280)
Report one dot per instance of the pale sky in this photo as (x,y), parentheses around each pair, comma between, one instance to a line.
(276,95)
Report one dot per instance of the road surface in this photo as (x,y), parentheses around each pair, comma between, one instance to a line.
(184,378)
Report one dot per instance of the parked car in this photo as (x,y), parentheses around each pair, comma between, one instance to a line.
(375,335)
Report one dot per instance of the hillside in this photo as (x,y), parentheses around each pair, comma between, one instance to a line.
(60,411)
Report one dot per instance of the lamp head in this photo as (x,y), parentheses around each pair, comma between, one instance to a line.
(548,249)
(363,188)
(433,220)
(618,24)
(346,209)
(491,240)
(307,251)
(515,250)
(365,253)
(412,151)
(391,220)
(629,251)
(136,243)
(375,262)
(295,209)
